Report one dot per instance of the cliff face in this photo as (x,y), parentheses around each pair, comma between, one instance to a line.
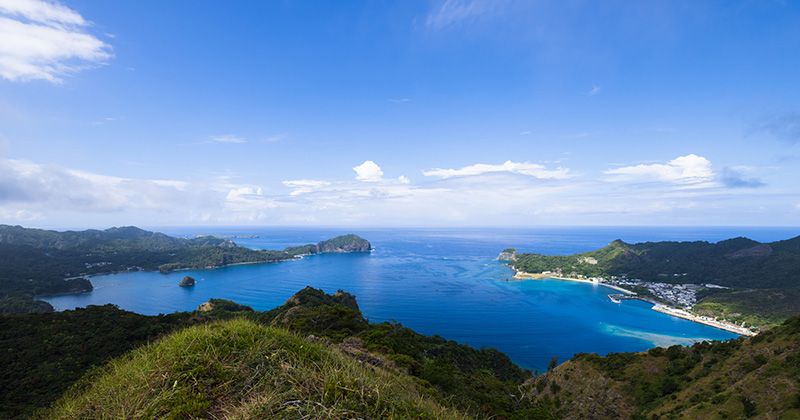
(344,243)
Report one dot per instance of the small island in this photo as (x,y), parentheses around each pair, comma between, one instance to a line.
(186,281)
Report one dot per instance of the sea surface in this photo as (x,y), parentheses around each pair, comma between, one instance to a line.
(438,281)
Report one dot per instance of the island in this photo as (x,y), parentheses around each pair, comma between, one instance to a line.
(186,281)
(38,262)
(737,284)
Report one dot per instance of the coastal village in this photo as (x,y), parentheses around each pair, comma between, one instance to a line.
(672,299)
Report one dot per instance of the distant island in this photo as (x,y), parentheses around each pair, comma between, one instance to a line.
(39,262)
(742,281)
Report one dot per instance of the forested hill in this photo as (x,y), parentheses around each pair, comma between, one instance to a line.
(40,262)
(738,262)
(761,281)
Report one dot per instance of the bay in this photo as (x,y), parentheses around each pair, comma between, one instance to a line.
(437,281)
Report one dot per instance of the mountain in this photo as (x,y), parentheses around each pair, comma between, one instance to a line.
(738,262)
(760,281)
(44,262)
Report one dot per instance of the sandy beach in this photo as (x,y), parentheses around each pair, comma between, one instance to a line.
(678,313)
(521,275)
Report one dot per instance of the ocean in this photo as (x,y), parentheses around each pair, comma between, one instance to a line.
(437,281)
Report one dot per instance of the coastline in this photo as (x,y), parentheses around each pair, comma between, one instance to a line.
(521,275)
(658,307)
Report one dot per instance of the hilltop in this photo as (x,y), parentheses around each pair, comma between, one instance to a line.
(739,279)
(44,262)
(241,369)
(316,355)
(44,354)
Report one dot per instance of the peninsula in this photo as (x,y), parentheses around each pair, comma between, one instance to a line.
(40,262)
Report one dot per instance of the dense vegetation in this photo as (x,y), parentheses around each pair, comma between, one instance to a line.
(317,356)
(41,355)
(738,262)
(763,278)
(756,377)
(45,353)
(44,262)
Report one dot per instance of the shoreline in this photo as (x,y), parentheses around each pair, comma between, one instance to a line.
(521,275)
(658,307)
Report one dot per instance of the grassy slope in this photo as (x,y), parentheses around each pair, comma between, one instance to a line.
(240,369)
(42,354)
(736,379)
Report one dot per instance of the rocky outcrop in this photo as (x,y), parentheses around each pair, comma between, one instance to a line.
(186,281)
(508,254)
(222,305)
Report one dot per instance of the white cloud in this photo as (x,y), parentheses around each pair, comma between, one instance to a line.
(68,197)
(594,90)
(227,138)
(304,186)
(248,199)
(35,187)
(684,170)
(45,40)
(368,171)
(522,168)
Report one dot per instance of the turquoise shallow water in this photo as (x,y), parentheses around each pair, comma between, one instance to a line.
(443,282)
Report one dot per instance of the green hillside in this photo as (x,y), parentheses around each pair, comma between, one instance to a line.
(316,356)
(240,369)
(762,279)
(757,377)
(738,262)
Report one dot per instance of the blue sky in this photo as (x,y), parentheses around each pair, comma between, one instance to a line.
(427,113)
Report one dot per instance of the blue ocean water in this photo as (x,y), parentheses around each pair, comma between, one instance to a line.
(438,281)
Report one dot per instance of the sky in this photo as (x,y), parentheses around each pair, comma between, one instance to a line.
(407,113)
